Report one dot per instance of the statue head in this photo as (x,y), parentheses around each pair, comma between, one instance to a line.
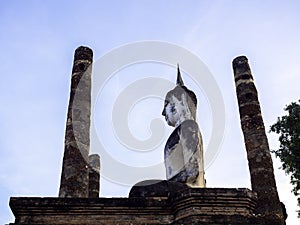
(180,103)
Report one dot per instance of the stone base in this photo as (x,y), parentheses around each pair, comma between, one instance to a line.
(185,206)
(157,188)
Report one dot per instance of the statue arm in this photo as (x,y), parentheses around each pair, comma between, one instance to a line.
(192,149)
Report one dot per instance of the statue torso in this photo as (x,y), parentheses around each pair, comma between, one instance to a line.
(184,155)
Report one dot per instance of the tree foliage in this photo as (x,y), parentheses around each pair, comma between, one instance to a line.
(288,128)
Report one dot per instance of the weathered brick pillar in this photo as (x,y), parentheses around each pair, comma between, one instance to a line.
(74,177)
(257,147)
(94,176)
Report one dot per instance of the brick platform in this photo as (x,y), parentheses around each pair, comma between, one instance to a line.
(188,206)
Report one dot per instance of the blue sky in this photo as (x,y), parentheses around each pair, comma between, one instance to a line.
(38,39)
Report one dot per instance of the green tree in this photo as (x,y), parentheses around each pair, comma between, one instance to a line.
(288,128)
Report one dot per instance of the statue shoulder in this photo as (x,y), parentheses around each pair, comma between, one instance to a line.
(189,125)
(190,129)
(187,128)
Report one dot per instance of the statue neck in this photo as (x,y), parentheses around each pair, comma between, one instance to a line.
(184,115)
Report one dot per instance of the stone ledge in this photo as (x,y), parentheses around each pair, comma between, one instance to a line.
(206,205)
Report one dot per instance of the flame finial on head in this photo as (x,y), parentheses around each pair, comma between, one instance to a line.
(179,81)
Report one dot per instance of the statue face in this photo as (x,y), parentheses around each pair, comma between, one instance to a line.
(171,110)
(180,105)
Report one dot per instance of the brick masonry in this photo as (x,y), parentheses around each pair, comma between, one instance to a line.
(256,142)
(187,206)
(75,174)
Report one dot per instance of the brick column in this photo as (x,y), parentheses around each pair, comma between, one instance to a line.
(74,177)
(257,147)
(94,176)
